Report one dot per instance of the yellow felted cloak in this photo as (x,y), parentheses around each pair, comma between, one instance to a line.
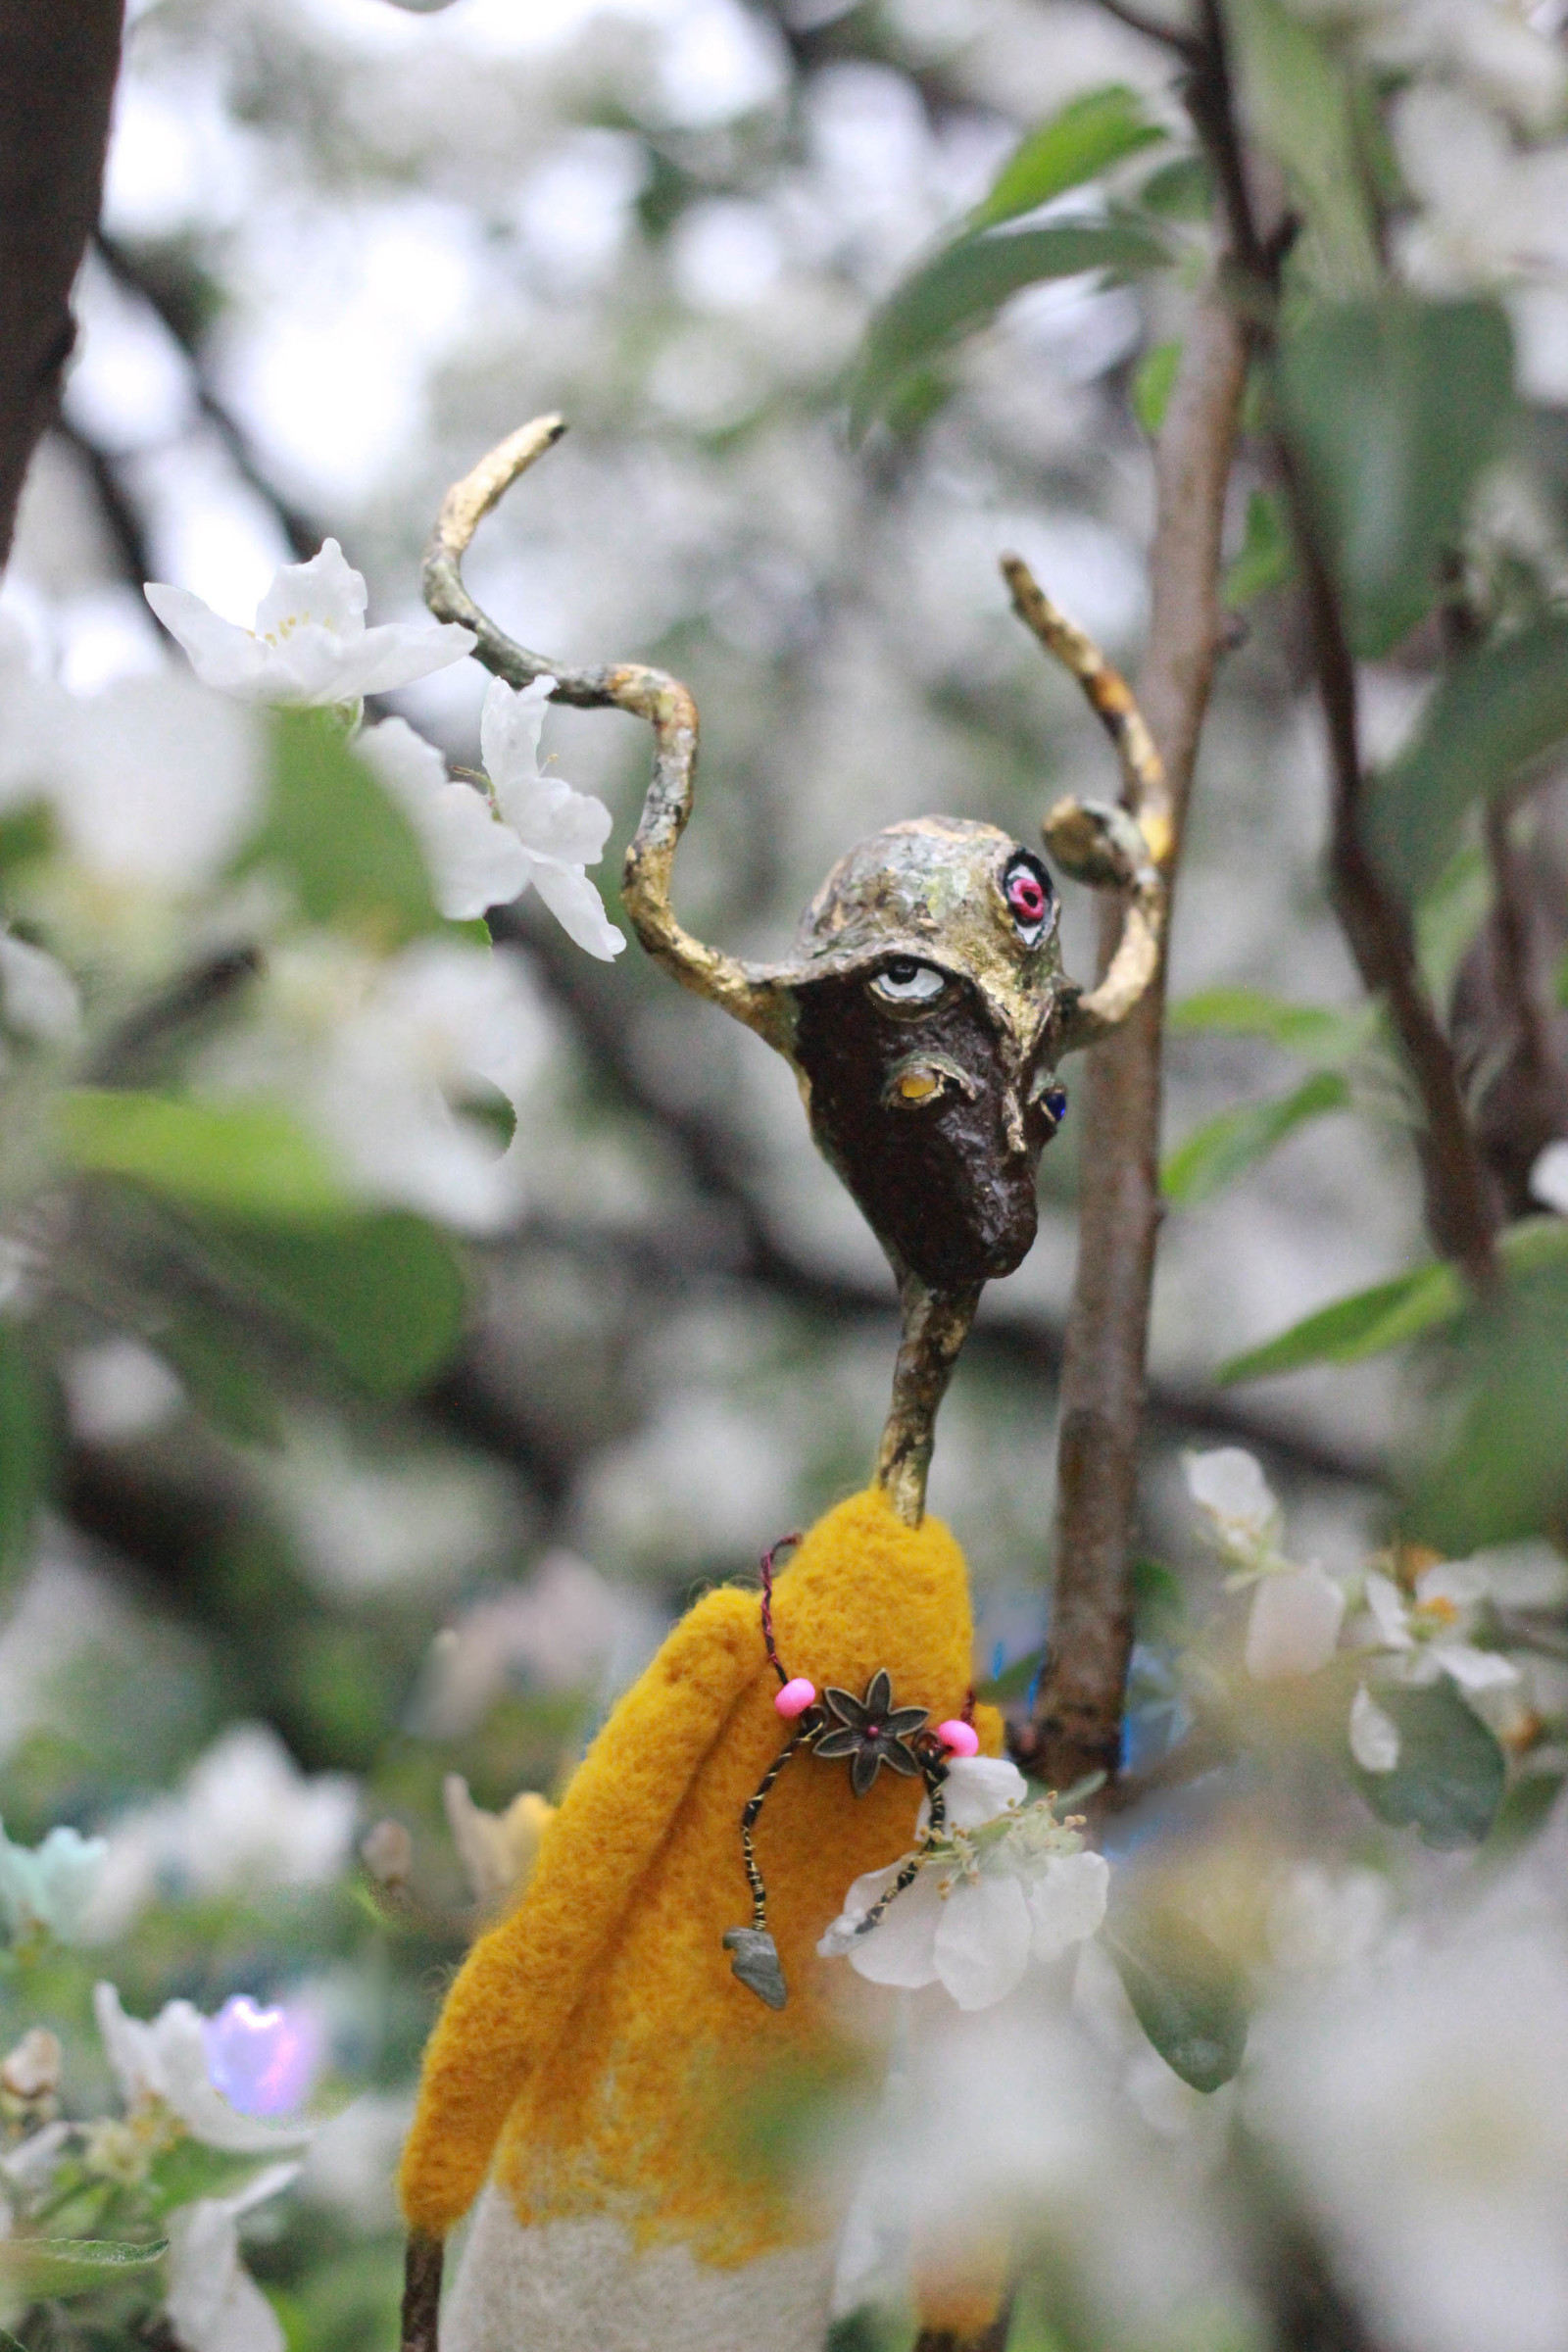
(597,2057)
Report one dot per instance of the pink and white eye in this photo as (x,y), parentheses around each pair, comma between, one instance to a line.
(1026,887)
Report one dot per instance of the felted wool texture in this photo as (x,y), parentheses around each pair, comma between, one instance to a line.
(583,2286)
(598,2035)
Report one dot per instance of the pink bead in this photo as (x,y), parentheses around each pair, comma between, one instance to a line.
(958,1739)
(795,1698)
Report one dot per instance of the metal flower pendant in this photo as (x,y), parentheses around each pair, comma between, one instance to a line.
(871,1731)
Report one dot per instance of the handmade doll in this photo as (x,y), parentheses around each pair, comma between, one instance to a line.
(599,2076)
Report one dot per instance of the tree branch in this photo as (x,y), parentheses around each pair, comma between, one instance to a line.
(1078,1718)
(299,529)
(58,64)
(1461,1208)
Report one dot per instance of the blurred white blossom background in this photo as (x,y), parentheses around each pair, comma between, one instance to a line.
(287,1676)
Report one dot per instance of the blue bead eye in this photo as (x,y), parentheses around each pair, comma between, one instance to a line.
(1054,1099)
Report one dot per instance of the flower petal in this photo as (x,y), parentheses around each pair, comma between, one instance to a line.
(1067,1901)
(577,906)
(509,727)
(976,1790)
(982,1940)
(1374,1734)
(398,651)
(1294,1623)
(222,653)
(1549,1177)
(1389,1610)
(475,862)
(327,590)
(900,1950)
(1474,1669)
(1229,1484)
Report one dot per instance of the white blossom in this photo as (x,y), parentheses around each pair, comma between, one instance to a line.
(246,1817)
(387,1059)
(309,644)
(1490,214)
(1294,1625)
(1420,2102)
(1548,1178)
(1374,1734)
(31,2069)
(1005,1883)
(212,2303)
(1229,1488)
(155,783)
(559,830)
(49,1889)
(163,2064)
(475,862)
(117,1389)
(1426,1633)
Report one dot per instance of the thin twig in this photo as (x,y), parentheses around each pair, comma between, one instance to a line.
(299,529)
(1078,1718)
(1186,45)
(1460,1206)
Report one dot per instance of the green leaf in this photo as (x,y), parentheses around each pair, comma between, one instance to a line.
(1450,1780)
(226,1386)
(27,1438)
(190,2170)
(346,849)
(250,1157)
(385,1293)
(1301,105)
(1159,1600)
(1153,384)
(1394,408)
(1448,915)
(1361,1325)
(1181,190)
(1368,1322)
(1188,1997)
(1498,1472)
(42,2267)
(1501,708)
(1091,134)
(967,284)
(1316,1032)
(26,834)
(1266,559)
(1222,1149)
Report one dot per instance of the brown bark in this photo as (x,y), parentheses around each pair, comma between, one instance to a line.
(1077,1728)
(58,62)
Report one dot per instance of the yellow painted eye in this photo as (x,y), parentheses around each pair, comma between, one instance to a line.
(918,1086)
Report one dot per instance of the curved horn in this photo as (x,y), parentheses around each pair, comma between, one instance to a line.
(630,686)
(1125,848)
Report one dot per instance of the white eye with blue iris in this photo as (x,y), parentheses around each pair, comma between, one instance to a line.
(904,981)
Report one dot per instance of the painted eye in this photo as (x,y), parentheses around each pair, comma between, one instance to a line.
(905,982)
(1026,887)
